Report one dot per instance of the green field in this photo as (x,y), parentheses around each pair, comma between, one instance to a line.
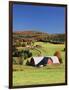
(28,75)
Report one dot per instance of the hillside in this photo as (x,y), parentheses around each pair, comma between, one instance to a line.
(29,32)
(39,36)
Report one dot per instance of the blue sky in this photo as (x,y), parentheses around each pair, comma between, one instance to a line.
(39,18)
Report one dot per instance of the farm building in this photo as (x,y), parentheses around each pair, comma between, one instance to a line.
(37,61)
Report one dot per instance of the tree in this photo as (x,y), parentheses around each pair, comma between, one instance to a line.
(20,60)
(58,54)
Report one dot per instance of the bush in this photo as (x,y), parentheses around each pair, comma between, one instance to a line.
(64,49)
(58,54)
(15,52)
(21,55)
(23,44)
(29,54)
(18,44)
(21,61)
(14,61)
(25,55)
(27,63)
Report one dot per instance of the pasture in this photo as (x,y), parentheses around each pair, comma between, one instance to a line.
(28,75)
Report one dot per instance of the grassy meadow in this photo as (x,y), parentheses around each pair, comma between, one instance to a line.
(28,75)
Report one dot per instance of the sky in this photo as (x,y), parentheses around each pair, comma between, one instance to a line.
(38,18)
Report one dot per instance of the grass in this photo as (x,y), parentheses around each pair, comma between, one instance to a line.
(46,75)
(28,75)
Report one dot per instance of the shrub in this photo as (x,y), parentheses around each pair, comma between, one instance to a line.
(58,54)
(21,55)
(20,60)
(29,54)
(25,55)
(18,44)
(27,63)
(64,49)
(23,44)
(14,61)
(15,52)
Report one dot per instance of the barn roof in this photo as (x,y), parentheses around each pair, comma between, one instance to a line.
(39,59)
(54,59)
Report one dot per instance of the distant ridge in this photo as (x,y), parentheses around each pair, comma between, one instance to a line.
(29,32)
